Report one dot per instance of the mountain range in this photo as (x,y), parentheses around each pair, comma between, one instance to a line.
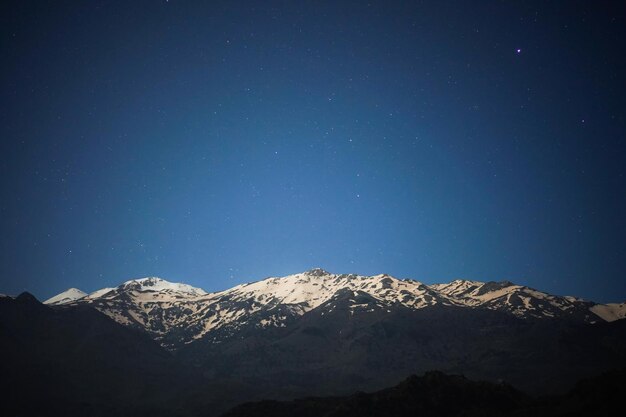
(177,314)
(312,333)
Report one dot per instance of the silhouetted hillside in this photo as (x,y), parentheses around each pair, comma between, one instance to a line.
(78,362)
(437,394)
(434,394)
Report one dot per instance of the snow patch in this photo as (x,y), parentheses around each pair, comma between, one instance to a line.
(610,312)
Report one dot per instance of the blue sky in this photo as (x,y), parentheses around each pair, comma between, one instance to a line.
(216,143)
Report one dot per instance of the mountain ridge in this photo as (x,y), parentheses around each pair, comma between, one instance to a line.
(177,314)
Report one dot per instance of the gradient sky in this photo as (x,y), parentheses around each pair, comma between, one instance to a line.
(216,143)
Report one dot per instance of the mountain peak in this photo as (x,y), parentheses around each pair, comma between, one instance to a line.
(317,272)
(27,298)
(159,284)
(148,281)
(493,286)
(465,281)
(67,296)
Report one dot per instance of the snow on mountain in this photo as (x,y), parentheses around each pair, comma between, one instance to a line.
(65,297)
(151,304)
(610,312)
(310,289)
(176,314)
(100,293)
(456,288)
(275,301)
(154,284)
(522,301)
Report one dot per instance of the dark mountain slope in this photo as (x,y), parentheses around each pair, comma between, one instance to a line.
(437,394)
(352,342)
(434,394)
(77,361)
(601,395)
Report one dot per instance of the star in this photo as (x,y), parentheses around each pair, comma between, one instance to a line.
(518,50)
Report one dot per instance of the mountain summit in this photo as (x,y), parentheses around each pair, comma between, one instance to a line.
(67,296)
(155,284)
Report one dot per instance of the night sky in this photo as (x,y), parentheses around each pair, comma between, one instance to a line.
(216,143)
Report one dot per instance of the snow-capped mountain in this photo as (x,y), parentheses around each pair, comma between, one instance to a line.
(66,297)
(151,304)
(154,284)
(178,314)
